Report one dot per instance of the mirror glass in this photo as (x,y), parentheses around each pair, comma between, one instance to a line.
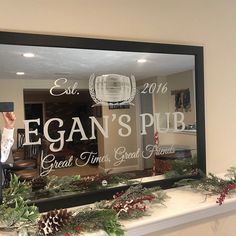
(86,113)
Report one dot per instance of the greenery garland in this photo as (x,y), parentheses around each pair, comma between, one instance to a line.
(17,214)
(134,202)
(15,211)
(106,215)
(53,185)
(90,220)
(181,167)
(213,185)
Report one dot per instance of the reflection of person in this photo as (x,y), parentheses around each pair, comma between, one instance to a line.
(7,135)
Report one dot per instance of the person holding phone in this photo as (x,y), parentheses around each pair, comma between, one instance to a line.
(7,139)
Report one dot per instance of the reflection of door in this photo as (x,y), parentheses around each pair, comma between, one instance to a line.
(147,107)
(34,111)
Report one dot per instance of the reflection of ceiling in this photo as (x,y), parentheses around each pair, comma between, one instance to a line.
(52,63)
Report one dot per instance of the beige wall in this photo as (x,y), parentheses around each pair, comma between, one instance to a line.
(222,225)
(208,23)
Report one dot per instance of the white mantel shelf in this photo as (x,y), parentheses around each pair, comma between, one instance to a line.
(183,206)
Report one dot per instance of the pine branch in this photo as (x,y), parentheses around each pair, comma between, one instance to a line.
(133,203)
(90,220)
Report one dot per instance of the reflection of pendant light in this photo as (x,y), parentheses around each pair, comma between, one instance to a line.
(142,60)
(28,55)
(20,73)
(112,88)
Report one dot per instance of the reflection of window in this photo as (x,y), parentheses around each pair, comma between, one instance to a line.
(182,100)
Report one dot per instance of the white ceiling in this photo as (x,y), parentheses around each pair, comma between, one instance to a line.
(52,63)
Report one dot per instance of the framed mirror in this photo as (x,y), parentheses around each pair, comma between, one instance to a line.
(95,116)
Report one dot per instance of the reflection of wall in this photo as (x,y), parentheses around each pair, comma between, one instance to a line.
(12,90)
(178,81)
(166,103)
(178,139)
(115,141)
(161,101)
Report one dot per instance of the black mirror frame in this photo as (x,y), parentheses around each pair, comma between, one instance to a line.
(12,38)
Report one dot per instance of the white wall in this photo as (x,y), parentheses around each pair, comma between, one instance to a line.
(208,23)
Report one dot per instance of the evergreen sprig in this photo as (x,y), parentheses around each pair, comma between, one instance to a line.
(18,216)
(55,186)
(133,203)
(16,188)
(61,185)
(211,184)
(90,220)
(15,211)
(95,182)
(187,166)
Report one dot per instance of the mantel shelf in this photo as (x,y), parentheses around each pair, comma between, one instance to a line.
(183,206)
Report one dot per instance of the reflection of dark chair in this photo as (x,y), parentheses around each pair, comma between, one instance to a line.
(37,152)
(18,153)
(25,158)
(27,150)
(20,138)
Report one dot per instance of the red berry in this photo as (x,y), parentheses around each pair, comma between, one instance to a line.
(67,234)
(78,228)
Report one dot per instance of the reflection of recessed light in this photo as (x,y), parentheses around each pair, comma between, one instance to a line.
(141,60)
(20,73)
(28,54)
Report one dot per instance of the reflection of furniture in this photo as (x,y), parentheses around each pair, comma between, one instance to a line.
(20,138)
(18,153)
(24,162)
(162,162)
(26,169)
(25,157)
(21,152)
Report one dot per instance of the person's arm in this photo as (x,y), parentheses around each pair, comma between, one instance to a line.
(6,143)
(7,135)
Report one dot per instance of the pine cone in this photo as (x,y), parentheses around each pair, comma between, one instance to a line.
(53,222)
(38,183)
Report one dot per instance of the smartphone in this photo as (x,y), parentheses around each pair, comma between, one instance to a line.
(6,106)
